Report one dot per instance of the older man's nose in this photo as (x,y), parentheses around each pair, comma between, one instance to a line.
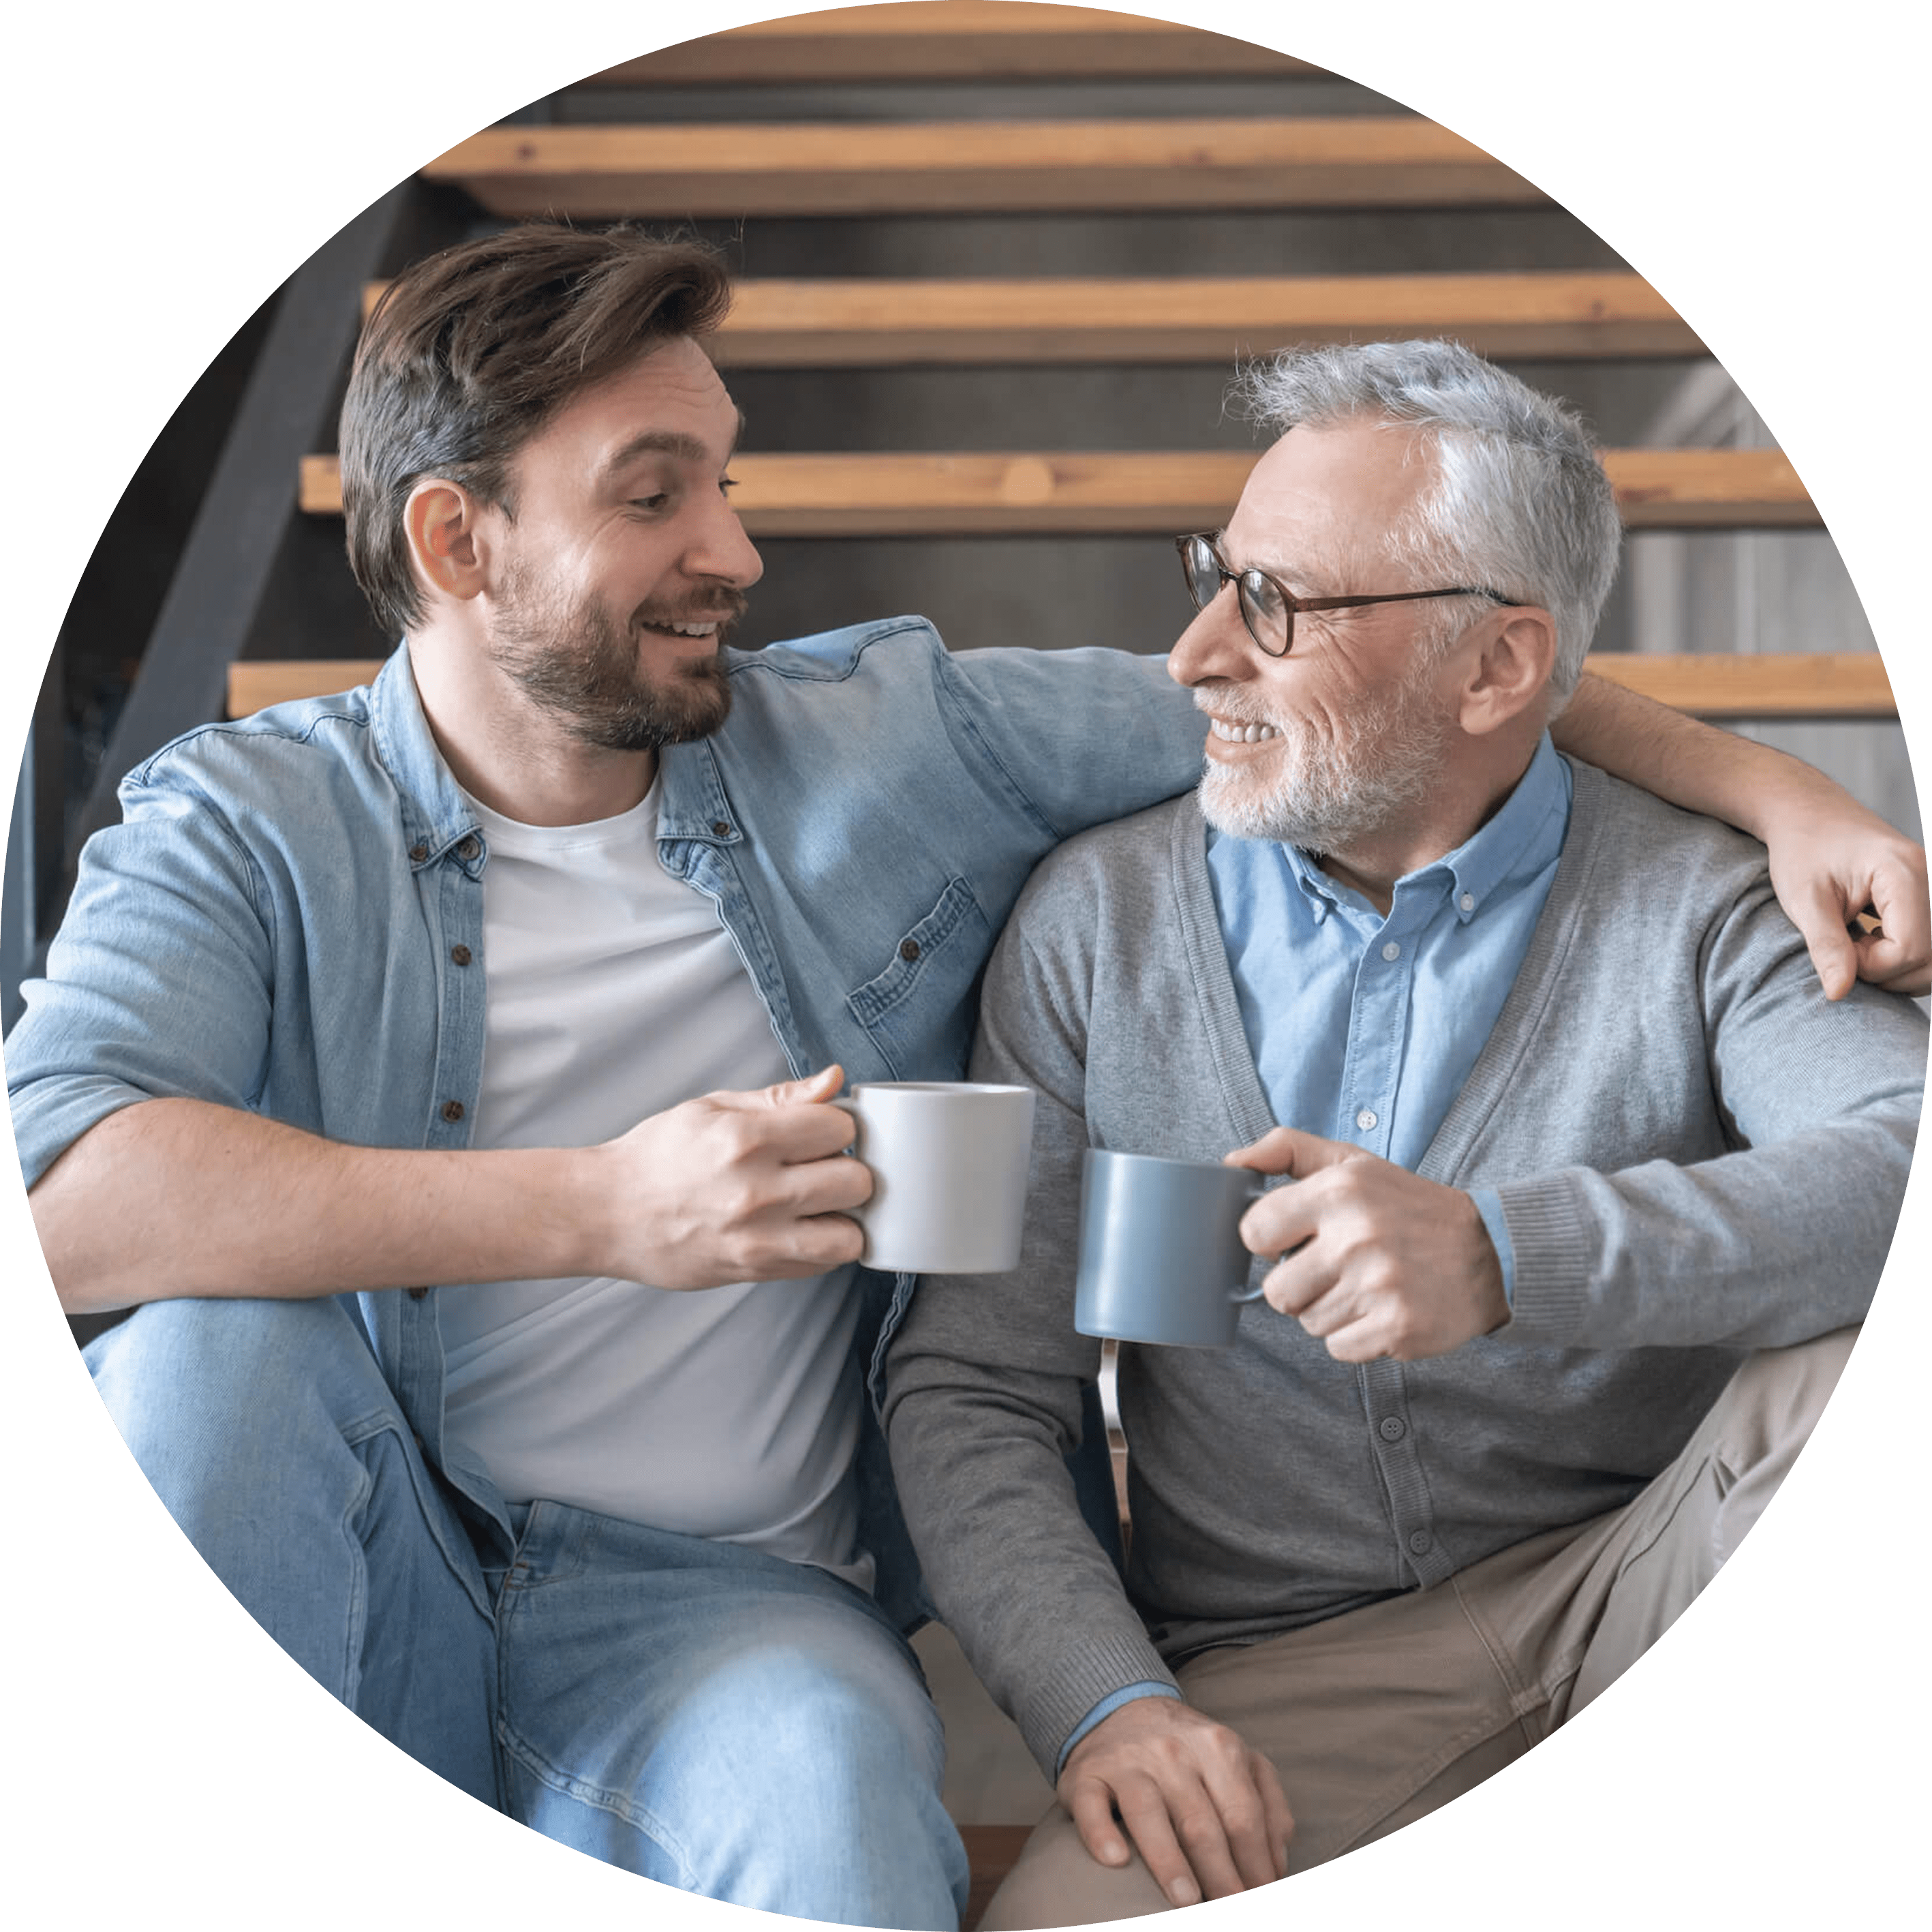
(1216,644)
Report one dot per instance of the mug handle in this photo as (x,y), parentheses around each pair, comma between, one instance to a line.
(1239,1295)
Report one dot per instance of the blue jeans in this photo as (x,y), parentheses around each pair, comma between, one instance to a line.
(706,1715)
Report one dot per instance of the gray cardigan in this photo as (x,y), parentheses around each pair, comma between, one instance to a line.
(1696,1153)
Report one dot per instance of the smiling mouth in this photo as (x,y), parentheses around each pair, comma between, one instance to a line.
(713,626)
(1240,734)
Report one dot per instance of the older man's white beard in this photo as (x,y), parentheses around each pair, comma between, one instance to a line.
(1332,792)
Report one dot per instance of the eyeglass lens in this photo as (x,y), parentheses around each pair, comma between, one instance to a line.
(1264,610)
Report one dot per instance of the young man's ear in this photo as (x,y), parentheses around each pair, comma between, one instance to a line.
(440,523)
(1516,653)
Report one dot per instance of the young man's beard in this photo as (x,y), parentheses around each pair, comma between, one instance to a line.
(573,660)
(1333,791)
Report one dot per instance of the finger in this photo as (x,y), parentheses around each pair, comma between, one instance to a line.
(1329,1307)
(1145,1810)
(833,1185)
(1289,1150)
(1244,1819)
(1285,1218)
(814,1089)
(1202,1829)
(1278,1819)
(1282,1221)
(1917,981)
(1090,1805)
(1898,955)
(1366,1339)
(1298,1282)
(1819,916)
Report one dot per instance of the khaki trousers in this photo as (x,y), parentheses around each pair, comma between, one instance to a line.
(1375,1718)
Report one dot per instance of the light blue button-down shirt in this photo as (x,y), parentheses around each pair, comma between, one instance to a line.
(1364,1026)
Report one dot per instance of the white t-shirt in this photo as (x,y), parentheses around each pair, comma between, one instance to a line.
(614,993)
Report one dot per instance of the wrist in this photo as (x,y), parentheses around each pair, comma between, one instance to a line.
(565,1216)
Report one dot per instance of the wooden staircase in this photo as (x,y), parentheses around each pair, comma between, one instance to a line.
(661,164)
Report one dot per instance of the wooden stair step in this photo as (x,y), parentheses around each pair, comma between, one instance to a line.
(1153,492)
(1816,684)
(882,323)
(949,39)
(850,169)
(1772,684)
(1206,318)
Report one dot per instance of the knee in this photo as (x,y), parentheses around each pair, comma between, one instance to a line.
(1775,1399)
(855,1777)
(864,1746)
(214,1395)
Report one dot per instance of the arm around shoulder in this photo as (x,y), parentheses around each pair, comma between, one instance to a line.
(1855,886)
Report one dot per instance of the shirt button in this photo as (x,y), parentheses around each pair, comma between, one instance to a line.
(1365,1119)
(1420,1541)
(452,1111)
(908,950)
(722,826)
(417,1293)
(461,954)
(1392,1428)
(468,847)
(1391,951)
(418,852)
(1467,902)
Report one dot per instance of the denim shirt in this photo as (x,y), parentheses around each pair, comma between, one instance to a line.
(290,918)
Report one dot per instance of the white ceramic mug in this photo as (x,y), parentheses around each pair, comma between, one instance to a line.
(949,1161)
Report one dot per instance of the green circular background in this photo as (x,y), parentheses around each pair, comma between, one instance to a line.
(173,165)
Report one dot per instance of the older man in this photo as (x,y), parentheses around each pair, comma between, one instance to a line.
(1592,1185)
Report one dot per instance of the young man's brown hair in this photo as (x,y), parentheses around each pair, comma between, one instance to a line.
(469,353)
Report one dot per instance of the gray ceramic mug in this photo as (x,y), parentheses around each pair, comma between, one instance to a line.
(1161,1256)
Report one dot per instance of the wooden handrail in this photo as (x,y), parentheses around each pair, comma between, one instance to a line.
(847,169)
(780,494)
(949,39)
(798,325)
(1815,684)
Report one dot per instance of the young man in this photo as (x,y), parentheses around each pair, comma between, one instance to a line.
(445,1066)
(1592,1183)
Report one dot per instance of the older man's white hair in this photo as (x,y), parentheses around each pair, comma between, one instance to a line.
(1519,501)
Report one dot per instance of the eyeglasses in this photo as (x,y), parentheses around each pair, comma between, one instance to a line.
(1267,609)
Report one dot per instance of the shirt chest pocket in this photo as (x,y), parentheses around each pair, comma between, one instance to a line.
(920,1009)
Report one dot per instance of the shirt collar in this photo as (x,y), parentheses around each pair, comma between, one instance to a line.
(1525,835)
(436,814)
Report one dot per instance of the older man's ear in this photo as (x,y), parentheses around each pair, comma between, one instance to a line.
(1505,662)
